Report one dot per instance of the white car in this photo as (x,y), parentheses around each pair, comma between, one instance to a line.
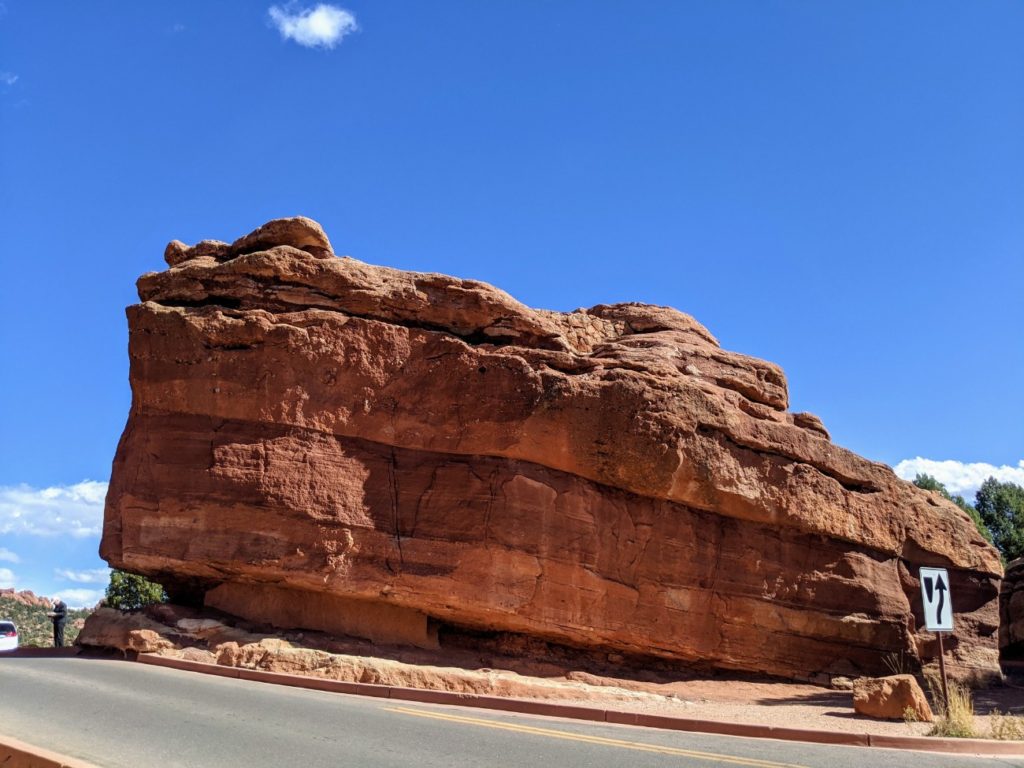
(8,636)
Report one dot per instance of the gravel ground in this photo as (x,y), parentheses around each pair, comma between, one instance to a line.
(783,704)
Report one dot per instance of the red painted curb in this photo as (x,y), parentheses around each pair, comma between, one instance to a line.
(316,683)
(427,696)
(667,722)
(821,737)
(189,666)
(984,747)
(500,704)
(17,754)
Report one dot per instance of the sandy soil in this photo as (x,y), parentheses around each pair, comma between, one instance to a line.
(780,704)
(636,685)
(786,704)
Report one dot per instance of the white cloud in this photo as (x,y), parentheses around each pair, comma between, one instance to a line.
(8,78)
(80,598)
(6,578)
(960,477)
(8,556)
(61,510)
(321,27)
(94,576)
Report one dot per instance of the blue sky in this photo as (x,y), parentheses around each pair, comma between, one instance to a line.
(836,187)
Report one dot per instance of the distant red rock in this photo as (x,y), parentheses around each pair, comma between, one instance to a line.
(26,597)
(317,442)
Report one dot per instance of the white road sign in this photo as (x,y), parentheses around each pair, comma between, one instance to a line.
(938,602)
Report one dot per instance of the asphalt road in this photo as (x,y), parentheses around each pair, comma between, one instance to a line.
(123,715)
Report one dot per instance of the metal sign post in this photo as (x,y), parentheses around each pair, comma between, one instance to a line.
(938,614)
(942,670)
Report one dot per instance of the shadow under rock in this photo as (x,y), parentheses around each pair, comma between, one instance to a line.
(849,714)
(824,699)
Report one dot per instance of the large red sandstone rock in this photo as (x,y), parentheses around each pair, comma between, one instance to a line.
(429,451)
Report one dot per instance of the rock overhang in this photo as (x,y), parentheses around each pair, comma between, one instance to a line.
(323,398)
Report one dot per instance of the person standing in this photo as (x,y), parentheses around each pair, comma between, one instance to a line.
(59,616)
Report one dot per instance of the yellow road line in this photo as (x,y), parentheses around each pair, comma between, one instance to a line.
(519,728)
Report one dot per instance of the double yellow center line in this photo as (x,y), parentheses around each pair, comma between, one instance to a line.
(567,736)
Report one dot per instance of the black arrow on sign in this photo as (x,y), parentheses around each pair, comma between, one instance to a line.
(941,588)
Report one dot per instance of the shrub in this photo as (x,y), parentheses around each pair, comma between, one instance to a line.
(129,591)
(896,663)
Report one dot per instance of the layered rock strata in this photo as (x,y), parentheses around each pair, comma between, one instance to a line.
(431,452)
(1011,611)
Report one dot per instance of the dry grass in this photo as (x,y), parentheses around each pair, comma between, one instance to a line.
(957,718)
(896,663)
(1006,727)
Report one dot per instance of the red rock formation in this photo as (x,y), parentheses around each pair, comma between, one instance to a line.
(1011,611)
(425,447)
(26,597)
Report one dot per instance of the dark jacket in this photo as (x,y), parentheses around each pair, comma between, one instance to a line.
(60,610)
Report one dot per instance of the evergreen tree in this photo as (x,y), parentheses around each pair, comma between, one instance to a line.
(1001,506)
(128,591)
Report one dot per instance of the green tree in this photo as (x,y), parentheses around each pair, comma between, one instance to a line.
(128,591)
(929,483)
(1001,506)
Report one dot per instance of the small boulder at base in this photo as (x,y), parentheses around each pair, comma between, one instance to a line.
(110,628)
(890,698)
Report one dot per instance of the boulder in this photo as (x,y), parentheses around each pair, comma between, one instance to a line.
(110,628)
(177,252)
(895,697)
(316,442)
(297,232)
